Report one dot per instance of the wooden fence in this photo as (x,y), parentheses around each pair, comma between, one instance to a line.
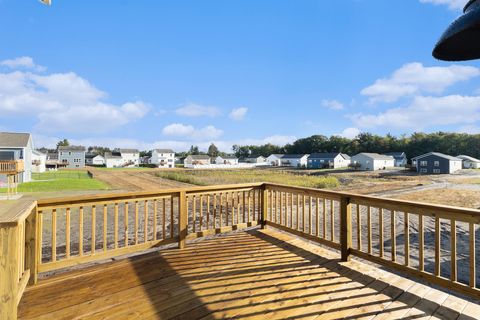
(415,238)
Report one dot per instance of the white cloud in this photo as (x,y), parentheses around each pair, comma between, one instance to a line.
(63,102)
(452,4)
(349,133)
(197,110)
(238,114)
(22,62)
(190,132)
(332,104)
(413,79)
(470,128)
(424,112)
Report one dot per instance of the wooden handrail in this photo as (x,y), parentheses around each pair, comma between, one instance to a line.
(130,222)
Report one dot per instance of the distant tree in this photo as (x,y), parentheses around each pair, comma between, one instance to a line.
(213,151)
(145,153)
(98,150)
(63,143)
(194,150)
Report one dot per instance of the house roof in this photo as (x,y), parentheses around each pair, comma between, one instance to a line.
(472,159)
(375,156)
(90,155)
(396,154)
(438,154)
(329,155)
(199,157)
(164,150)
(71,148)
(128,151)
(38,153)
(111,156)
(278,155)
(294,156)
(14,139)
(255,157)
(228,157)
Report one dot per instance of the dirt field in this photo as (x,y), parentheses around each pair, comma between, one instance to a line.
(134,180)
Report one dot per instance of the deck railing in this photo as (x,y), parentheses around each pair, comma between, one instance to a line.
(415,238)
(11,166)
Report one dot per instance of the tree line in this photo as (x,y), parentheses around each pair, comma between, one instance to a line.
(416,144)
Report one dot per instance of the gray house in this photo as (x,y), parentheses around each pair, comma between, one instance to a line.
(72,156)
(436,162)
(400,158)
(328,160)
(17,146)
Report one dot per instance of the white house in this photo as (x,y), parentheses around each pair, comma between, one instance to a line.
(332,160)
(258,159)
(17,146)
(275,159)
(92,159)
(39,161)
(196,160)
(131,157)
(113,160)
(231,160)
(400,158)
(372,161)
(72,156)
(294,160)
(469,162)
(163,158)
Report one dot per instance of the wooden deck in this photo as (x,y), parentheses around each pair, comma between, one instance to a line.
(261,274)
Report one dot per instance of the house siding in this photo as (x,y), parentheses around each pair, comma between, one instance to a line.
(427,165)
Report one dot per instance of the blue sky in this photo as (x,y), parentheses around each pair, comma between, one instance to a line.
(174,73)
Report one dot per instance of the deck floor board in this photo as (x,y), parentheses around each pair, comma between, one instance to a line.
(258,274)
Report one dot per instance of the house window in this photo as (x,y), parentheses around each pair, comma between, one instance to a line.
(423,170)
(436,163)
(69,153)
(423,163)
(436,170)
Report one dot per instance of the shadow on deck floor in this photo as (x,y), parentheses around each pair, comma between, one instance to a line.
(260,274)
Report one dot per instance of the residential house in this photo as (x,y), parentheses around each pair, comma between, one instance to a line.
(332,160)
(131,157)
(372,161)
(163,158)
(400,158)
(113,160)
(93,159)
(231,160)
(17,146)
(72,156)
(469,162)
(295,160)
(52,163)
(39,161)
(255,159)
(275,159)
(436,162)
(196,160)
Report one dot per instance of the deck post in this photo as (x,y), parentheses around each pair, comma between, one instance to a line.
(264,207)
(31,257)
(9,264)
(345,228)
(182,219)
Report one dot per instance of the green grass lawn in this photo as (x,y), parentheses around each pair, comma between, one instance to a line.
(60,181)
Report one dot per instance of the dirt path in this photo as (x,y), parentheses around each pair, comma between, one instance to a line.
(135,180)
